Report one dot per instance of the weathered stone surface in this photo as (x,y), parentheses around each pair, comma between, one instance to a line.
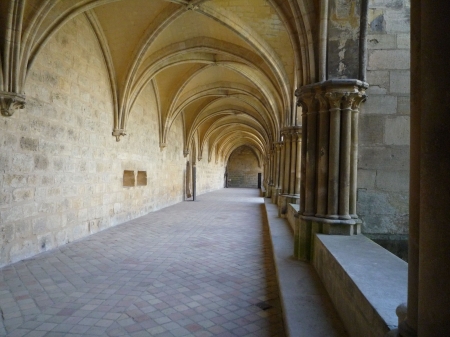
(377,23)
(398,21)
(366,179)
(382,105)
(388,159)
(404,105)
(383,211)
(397,130)
(60,170)
(403,41)
(378,78)
(349,266)
(400,82)
(394,181)
(385,223)
(29,144)
(243,168)
(384,157)
(389,59)
(371,130)
(381,41)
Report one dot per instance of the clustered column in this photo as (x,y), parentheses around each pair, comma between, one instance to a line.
(328,187)
(290,168)
(270,169)
(277,175)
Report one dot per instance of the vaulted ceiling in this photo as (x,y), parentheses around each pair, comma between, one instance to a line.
(228,68)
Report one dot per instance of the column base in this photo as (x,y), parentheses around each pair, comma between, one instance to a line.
(404,330)
(275,192)
(307,226)
(269,191)
(283,200)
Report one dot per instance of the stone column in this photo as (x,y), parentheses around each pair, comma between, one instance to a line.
(333,160)
(331,111)
(344,161)
(298,166)
(310,155)
(354,158)
(291,172)
(322,174)
(188,180)
(428,310)
(276,184)
(303,161)
(281,200)
(282,164)
(287,161)
(293,162)
(270,179)
(266,174)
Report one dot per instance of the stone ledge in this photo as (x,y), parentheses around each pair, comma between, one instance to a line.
(307,308)
(262,191)
(365,282)
(292,210)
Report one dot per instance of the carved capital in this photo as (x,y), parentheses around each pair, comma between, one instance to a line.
(118,133)
(287,135)
(347,100)
(10,102)
(307,101)
(323,103)
(359,98)
(334,98)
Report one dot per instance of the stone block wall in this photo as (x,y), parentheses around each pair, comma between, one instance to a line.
(243,168)
(343,39)
(210,175)
(383,169)
(61,171)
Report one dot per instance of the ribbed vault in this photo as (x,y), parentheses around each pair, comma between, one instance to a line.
(227,68)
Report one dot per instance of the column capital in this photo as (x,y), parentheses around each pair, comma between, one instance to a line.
(305,99)
(10,102)
(333,91)
(323,102)
(334,99)
(121,132)
(348,100)
(359,98)
(285,133)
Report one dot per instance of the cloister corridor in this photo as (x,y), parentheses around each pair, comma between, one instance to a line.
(202,268)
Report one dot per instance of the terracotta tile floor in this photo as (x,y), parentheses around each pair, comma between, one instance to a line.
(200,268)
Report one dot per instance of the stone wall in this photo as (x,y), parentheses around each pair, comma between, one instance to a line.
(343,39)
(61,171)
(210,175)
(383,171)
(243,168)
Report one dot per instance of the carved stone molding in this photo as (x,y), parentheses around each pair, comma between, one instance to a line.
(118,133)
(10,102)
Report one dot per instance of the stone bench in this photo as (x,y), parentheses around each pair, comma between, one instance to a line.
(292,209)
(365,282)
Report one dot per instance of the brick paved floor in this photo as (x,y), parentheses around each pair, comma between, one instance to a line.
(199,268)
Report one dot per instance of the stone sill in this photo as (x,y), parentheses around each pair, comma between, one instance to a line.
(365,282)
(292,210)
